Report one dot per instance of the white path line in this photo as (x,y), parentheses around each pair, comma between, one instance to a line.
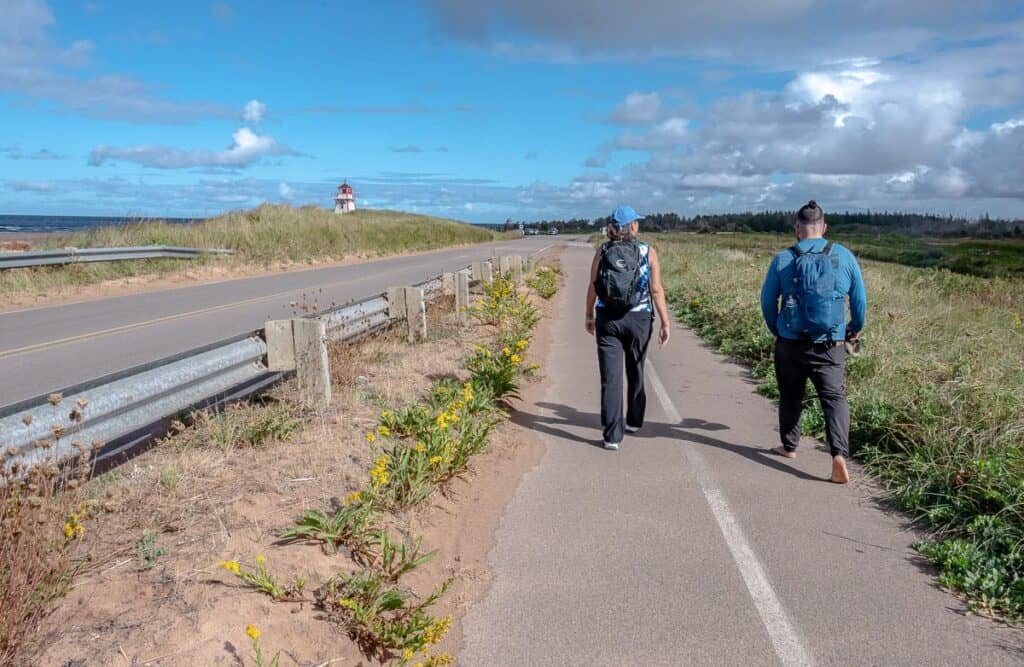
(784,637)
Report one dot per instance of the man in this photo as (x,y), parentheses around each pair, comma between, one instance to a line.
(813,279)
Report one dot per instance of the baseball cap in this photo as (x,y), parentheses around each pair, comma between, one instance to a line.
(624,215)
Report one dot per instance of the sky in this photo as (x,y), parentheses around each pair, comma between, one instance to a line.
(526,109)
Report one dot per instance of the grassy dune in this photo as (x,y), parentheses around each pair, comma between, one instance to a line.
(937,396)
(263,236)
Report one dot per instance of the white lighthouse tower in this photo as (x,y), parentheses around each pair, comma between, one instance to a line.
(345,200)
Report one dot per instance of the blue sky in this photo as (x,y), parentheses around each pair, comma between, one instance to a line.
(525,109)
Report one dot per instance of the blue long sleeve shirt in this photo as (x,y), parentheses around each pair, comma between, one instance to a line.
(849,283)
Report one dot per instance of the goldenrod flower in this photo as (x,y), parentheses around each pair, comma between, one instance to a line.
(383,431)
(515,359)
(386,414)
(436,631)
(261,560)
(347,603)
(69,531)
(253,632)
(420,447)
(231,566)
(354,497)
(408,654)
(506,351)
(434,460)
(521,344)
(370,437)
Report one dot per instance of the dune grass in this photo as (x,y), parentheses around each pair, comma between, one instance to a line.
(265,236)
(937,396)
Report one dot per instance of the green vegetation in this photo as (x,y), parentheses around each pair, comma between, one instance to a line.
(937,396)
(263,236)
(987,258)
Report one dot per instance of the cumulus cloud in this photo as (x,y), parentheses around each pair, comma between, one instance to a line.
(15,153)
(253,112)
(36,68)
(406,149)
(285,190)
(247,148)
(637,108)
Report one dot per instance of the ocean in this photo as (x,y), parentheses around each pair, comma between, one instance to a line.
(67,223)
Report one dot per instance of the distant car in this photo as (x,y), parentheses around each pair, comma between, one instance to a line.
(530,232)
(553,232)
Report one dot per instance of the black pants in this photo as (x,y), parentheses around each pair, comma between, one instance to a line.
(622,338)
(825,365)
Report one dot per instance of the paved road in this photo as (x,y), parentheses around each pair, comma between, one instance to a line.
(43,349)
(689,546)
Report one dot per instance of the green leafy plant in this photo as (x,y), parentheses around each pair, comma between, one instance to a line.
(257,651)
(351,525)
(147,550)
(379,616)
(262,580)
(544,281)
(396,559)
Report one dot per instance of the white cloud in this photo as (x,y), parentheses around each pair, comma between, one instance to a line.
(253,112)
(285,190)
(247,148)
(637,108)
(34,68)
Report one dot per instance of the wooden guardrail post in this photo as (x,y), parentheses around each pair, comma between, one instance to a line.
(487,272)
(461,296)
(311,365)
(396,303)
(516,264)
(504,265)
(280,345)
(476,271)
(447,284)
(416,313)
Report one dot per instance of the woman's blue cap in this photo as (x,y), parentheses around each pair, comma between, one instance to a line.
(624,215)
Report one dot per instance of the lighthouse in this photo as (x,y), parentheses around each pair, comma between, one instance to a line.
(345,200)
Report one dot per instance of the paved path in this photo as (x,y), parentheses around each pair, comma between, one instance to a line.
(44,349)
(689,546)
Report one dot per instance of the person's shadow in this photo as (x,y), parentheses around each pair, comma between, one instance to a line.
(564,415)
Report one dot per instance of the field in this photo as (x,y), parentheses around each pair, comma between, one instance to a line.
(267,236)
(937,395)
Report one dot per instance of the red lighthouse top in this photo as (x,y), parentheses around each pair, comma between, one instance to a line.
(345,189)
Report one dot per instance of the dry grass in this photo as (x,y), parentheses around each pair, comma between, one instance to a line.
(270,235)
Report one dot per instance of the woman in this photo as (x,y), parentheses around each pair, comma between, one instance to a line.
(625,291)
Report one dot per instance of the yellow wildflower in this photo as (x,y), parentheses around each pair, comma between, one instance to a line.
(408,654)
(515,359)
(436,631)
(386,414)
(231,566)
(442,420)
(261,560)
(434,460)
(253,632)
(506,351)
(1017,321)
(383,431)
(521,344)
(370,437)
(382,461)
(420,447)
(487,353)
(347,603)
(69,531)
(354,497)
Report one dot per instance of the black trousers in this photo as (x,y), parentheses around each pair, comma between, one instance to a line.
(825,365)
(622,342)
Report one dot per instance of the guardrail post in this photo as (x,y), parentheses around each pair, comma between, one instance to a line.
(487,272)
(415,313)
(461,296)
(447,284)
(516,263)
(476,270)
(311,365)
(280,345)
(504,266)
(396,303)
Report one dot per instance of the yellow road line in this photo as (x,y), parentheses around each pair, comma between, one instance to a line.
(136,325)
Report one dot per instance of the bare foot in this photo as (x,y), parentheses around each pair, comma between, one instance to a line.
(782,451)
(840,475)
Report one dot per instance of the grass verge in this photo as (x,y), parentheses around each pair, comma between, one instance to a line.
(266,236)
(937,397)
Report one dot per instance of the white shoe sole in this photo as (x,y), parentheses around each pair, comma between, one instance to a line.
(631,429)
(611,445)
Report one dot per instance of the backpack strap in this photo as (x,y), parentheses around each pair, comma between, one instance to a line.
(828,249)
(797,252)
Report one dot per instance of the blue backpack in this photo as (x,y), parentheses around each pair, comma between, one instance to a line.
(810,305)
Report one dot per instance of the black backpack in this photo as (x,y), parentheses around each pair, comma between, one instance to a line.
(617,275)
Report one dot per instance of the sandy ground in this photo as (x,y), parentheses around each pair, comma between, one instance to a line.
(210,505)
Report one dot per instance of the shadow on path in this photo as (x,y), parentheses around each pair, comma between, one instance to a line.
(567,416)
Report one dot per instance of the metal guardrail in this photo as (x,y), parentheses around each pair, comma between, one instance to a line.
(119,411)
(20,260)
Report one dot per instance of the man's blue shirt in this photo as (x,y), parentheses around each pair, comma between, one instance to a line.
(849,283)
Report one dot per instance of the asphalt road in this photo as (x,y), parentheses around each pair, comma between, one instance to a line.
(45,349)
(691,545)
